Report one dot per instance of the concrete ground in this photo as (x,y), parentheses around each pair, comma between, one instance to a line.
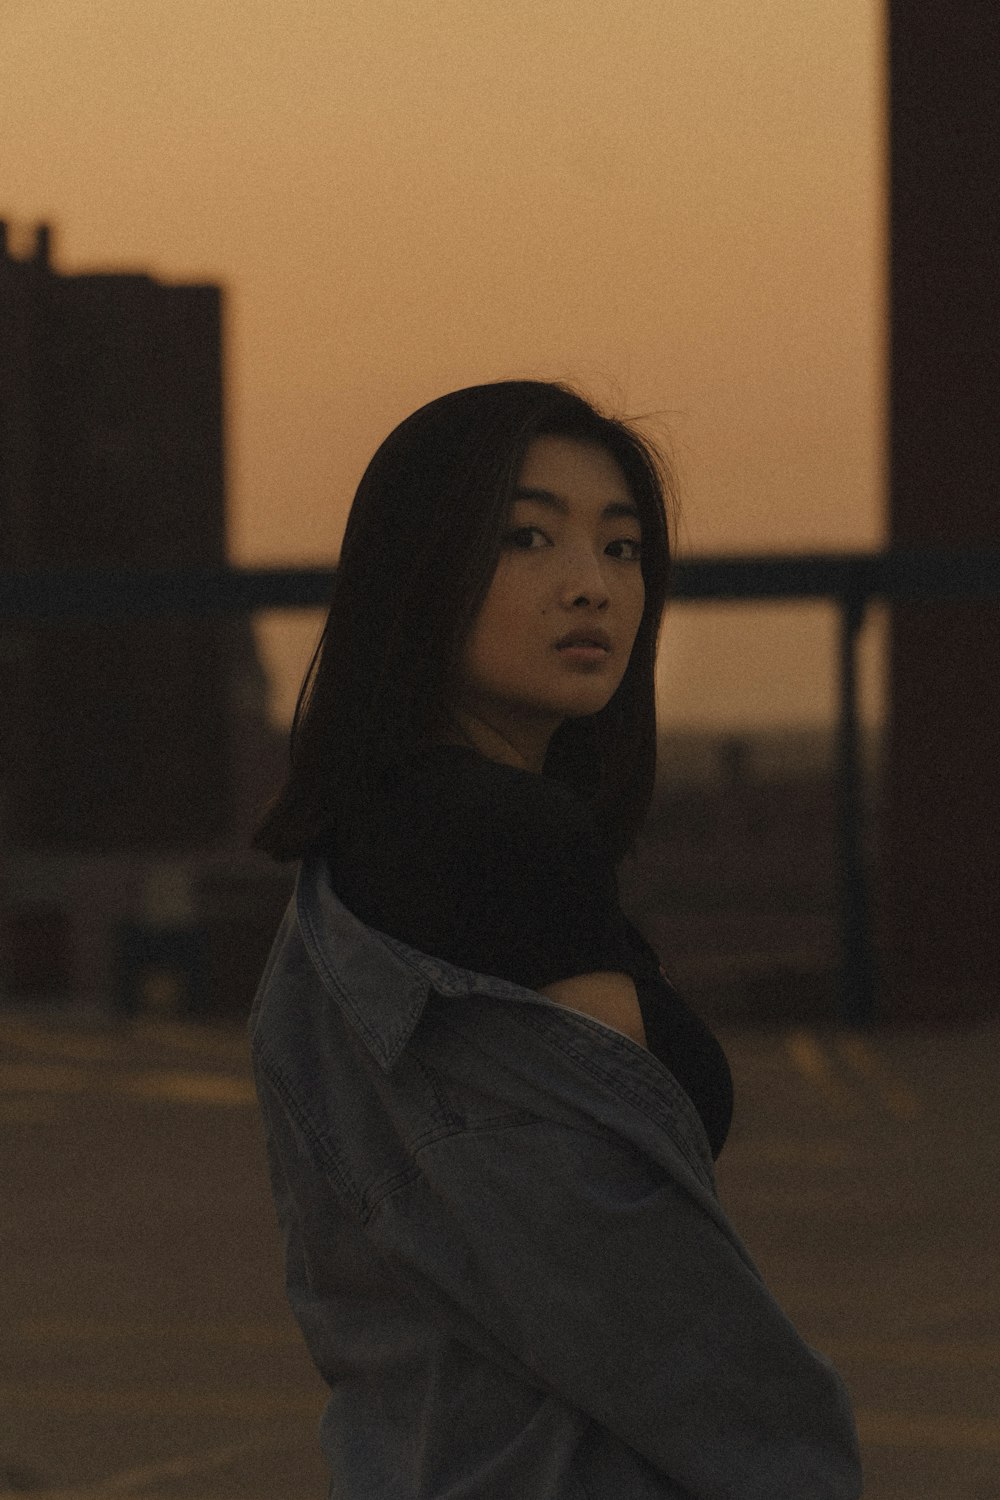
(148,1349)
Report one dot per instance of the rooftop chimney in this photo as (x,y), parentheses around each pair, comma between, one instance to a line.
(43,246)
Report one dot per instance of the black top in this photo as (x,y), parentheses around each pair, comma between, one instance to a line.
(505,872)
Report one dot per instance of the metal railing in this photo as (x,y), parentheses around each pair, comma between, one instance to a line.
(852,581)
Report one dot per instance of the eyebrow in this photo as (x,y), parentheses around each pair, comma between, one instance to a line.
(556,502)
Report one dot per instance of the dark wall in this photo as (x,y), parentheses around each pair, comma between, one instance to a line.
(119,732)
(941,882)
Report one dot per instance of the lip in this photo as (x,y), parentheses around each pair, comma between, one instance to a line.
(585,639)
(598,654)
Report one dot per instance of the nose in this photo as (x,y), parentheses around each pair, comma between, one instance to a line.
(585,575)
(585,566)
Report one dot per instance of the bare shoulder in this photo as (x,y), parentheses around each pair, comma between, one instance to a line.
(607,996)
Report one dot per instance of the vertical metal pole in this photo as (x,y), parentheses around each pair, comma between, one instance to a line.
(857,974)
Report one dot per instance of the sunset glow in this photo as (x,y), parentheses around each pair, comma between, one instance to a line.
(677,205)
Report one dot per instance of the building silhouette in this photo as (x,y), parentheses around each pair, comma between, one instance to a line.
(132,745)
(941,865)
(113,455)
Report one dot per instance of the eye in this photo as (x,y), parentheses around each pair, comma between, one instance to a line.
(512,537)
(526,531)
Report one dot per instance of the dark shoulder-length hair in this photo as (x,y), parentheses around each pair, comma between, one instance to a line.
(421,546)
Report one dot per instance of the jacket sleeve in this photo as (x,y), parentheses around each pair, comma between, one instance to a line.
(606,1280)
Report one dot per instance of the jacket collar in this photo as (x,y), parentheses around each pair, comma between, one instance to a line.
(382,983)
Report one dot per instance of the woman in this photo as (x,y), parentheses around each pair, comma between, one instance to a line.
(490,1120)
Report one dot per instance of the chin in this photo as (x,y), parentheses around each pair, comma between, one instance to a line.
(582,708)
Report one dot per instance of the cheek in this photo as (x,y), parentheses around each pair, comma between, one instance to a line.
(507,604)
(504,621)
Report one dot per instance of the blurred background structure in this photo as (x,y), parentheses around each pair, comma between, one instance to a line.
(131,753)
(135,760)
(266,248)
(941,872)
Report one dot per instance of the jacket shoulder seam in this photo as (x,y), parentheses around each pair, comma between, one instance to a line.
(302,1118)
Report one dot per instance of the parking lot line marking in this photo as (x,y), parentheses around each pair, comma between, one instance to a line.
(26,1109)
(889,1429)
(63,1043)
(132,1480)
(809,1153)
(42,1078)
(977,1354)
(898,1099)
(811,1061)
(120,1044)
(175,1085)
(191,1038)
(81,1401)
(180,1087)
(98,1331)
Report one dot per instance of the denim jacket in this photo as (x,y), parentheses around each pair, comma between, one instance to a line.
(505,1249)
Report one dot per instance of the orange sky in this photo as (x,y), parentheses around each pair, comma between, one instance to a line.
(676,203)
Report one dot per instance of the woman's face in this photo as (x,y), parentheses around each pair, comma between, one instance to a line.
(568,562)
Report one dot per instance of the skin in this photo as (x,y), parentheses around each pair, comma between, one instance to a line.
(514,687)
